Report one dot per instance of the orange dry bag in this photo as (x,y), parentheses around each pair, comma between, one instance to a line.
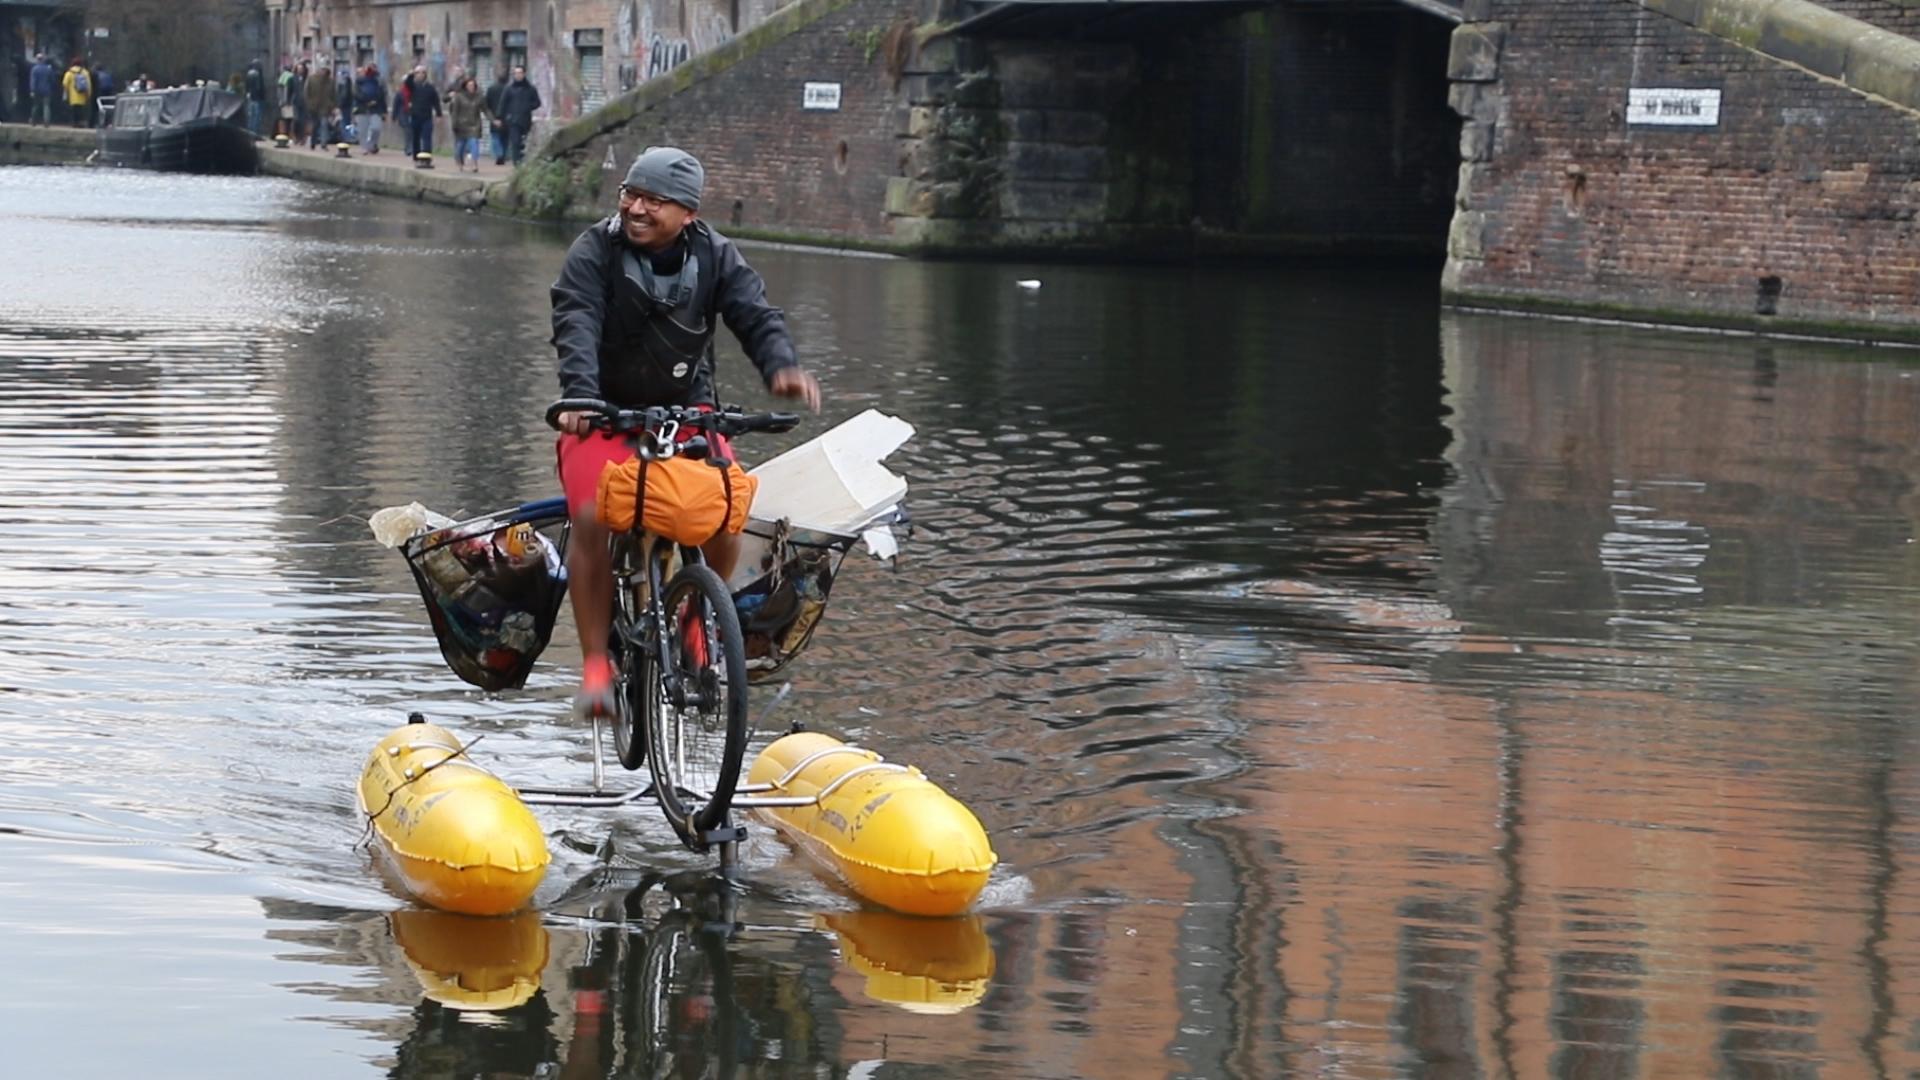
(686,501)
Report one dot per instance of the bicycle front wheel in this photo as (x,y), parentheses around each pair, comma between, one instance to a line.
(697,728)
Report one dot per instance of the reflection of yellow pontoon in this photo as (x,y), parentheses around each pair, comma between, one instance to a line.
(464,962)
(892,834)
(921,965)
(458,837)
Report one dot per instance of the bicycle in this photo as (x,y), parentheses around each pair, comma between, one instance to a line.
(679,657)
(684,648)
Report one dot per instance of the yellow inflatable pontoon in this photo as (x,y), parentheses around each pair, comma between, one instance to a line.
(893,835)
(459,838)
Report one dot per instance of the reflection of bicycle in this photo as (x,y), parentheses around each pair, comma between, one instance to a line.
(670,1004)
(680,668)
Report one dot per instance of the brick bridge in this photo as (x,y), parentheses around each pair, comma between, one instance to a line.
(1145,127)
(1741,163)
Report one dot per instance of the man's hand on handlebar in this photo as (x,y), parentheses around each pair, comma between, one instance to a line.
(795,382)
(574,423)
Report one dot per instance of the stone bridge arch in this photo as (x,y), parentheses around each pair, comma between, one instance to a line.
(1163,129)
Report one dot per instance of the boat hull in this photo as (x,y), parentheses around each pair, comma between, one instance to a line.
(199,147)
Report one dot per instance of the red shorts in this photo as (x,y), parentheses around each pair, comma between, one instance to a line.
(583,457)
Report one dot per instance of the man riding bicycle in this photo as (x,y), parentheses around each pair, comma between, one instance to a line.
(634,315)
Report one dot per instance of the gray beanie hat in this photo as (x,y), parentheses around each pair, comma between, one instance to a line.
(670,172)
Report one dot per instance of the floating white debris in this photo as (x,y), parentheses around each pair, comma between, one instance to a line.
(1028,283)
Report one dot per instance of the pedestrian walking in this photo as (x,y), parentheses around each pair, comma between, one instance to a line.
(466,112)
(370,103)
(344,94)
(289,91)
(301,121)
(103,87)
(256,96)
(79,93)
(40,82)
(496,127)
(422,107)
(402,111)
(517,107)
(321,97)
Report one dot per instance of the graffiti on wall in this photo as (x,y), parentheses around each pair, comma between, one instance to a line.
(645,50)
(663,55)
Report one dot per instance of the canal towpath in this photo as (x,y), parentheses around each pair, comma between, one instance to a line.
(388,173)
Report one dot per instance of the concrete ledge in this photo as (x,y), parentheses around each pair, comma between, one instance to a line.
(21,144)
(402,181)
(1856,54)
(1835,328)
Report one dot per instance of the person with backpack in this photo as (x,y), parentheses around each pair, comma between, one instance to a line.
(634,317)
(79,87)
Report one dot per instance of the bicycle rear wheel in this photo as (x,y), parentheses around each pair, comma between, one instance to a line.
(695,744)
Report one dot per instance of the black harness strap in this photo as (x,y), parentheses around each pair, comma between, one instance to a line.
(640,496)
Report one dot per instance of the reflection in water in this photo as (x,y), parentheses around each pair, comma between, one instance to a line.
(1350,688)
(922,965)
(469,962)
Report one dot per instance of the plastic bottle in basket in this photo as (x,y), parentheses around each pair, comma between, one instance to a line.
(445,571)
(518,541)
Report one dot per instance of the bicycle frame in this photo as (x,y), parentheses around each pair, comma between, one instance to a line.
(642,566)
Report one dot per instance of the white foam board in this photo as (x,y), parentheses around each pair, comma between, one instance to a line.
(835,481)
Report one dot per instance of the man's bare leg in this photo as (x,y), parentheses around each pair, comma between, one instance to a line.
(723,553)
(590,587)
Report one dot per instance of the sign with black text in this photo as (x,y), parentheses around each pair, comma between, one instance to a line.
(821,95)
(1670,107)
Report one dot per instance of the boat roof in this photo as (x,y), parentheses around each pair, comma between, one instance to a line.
(166,108)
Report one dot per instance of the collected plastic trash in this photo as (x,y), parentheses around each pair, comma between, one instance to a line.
(395,525)
(492,589)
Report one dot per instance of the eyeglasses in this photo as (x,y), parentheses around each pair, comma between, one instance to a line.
(647,201)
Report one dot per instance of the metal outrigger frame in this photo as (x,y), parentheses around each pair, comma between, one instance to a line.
(746,796)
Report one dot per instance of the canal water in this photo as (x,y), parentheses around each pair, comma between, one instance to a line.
(1350,688)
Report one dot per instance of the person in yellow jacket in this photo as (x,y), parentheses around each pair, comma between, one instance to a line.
(78,83)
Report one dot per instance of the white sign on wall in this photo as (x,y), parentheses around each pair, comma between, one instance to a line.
(1673,107)
(821,95)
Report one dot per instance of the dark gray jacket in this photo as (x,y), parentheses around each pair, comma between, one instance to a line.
(599,326)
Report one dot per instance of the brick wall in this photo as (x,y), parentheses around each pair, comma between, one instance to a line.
(1800,202)
(772,165)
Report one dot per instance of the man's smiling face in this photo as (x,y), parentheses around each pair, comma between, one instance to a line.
(650,222)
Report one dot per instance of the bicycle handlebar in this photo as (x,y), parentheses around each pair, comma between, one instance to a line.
(729,420)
